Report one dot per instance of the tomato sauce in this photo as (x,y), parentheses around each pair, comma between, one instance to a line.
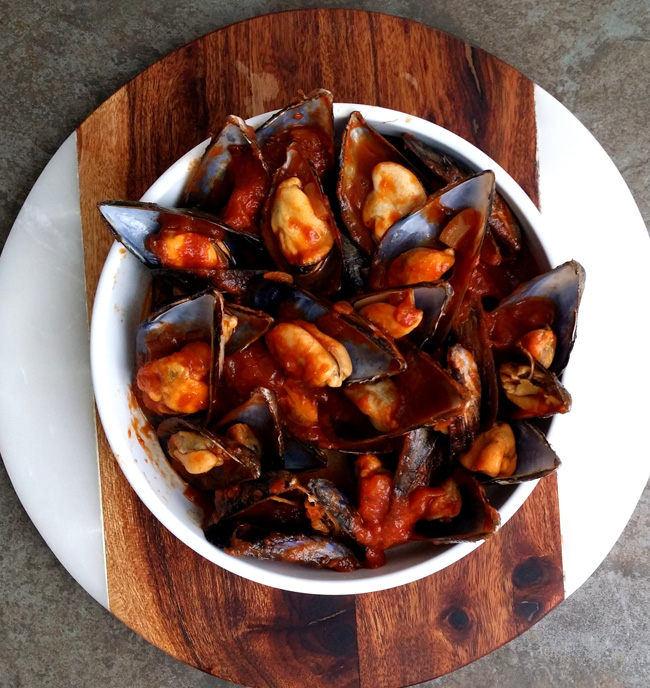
(241,211)
(313,141)
(388,519)
(510,323)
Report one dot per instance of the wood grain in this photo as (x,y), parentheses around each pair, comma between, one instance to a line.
(203,615)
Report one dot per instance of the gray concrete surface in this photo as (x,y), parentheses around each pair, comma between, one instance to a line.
(60,60)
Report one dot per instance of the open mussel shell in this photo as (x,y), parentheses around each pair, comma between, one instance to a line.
(238,463)
(432,298)
(422,395)
(373,356)
(231,500)
(260,412)
(309,122)
(133,224)
(477,519)
(232,155)
(277,501)
(502,223)
(362,148)
(337,505)
(194,318)
(535,456)
(532,391)
(422,229)
(250,326)
(320,273)
(191,318)
(562,286)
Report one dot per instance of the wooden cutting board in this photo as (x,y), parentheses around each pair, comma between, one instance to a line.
(205,616)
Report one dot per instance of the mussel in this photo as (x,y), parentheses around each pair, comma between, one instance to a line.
(377,186)
(231,180)
(441,240)
(308,124)
(298,227)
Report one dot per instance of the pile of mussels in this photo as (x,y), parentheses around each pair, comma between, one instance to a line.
(337,361)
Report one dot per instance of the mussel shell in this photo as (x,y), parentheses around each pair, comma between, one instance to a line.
(463,368)
(535,456)
(133,223)
(194,318)
(551,394)
(447,170)
(428,396)
(337,505)
(564,286)
(373,356)
(210,184)
(356,265)
(432,298)
(417,461)
(324,276)
(260,412)
(477,520)
(240,463)
(423,228)
(251,325)
(363,147)
(471,332)
(317,551)
(231,500)
(502,223)
(299,456)
(315,110)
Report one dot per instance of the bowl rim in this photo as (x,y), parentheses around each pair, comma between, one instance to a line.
(277,574)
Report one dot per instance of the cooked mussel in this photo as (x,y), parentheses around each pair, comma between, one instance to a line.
(371,354)
(532,390)
(477,519)
(179,355)
(309,124)
(542,313)
(424,394)
(280,448)
(412,312)
(511,453)
(377,186)
(441,240)
(231,180)
(208,461)
(298,228)
(188,241)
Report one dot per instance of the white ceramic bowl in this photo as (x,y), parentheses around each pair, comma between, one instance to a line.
(116,314)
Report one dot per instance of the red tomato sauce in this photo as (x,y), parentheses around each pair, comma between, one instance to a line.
(510,323)
(314,143)
(241,211)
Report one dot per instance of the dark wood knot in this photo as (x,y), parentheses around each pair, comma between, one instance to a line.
(529,610)
(534,571)
(458,619)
